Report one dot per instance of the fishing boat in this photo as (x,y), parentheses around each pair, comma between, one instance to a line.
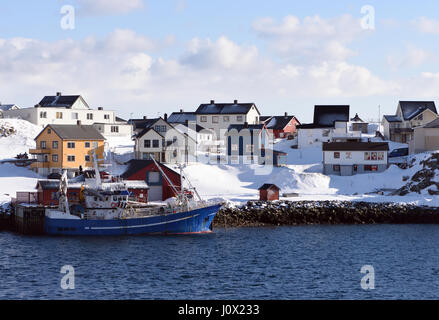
(106,209)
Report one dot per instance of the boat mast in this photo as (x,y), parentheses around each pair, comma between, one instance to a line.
(97,174)
(63,186)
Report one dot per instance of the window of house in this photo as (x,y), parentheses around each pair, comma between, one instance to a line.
(71,145)
(87,144)
(215,119)
(355,168)
(43,144)
(147,143)
(59,115)
(87,158)
(106,116)
(336,155)
(89,116)
(226,118)
(374,156)
(115,129)
(155,143)
(71,158)
(75,116)
(49,131)
(95,144)
(370,168)
(380,155)
(157,128)
(348,155)
(249,148)
(234,147)
(46,158)
(239,118)
(54,158)
(54,144)
(43,114)
(367,156)
(153,177)
(203,119)
(174,139)
(163,128)
(336,168)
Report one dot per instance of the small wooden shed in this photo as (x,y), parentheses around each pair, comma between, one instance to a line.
(269,192)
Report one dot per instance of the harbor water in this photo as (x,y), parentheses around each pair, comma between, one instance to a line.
(303,262)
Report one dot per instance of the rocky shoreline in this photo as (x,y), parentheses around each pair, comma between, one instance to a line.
(290,213)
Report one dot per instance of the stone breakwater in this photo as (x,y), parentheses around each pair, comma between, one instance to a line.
(288,213)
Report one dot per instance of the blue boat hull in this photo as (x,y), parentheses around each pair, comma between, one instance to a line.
(195,221)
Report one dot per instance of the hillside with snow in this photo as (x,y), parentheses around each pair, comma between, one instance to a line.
(418,184)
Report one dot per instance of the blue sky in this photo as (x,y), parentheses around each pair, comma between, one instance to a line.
(149,57)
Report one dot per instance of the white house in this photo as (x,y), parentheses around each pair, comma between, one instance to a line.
(349,158)
(61,109)
(165,143)
(7,107)
(330,124)
(219,116)
(409,115)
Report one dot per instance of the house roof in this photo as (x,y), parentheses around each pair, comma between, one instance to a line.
(278,122)
(136,165)
(411,109)
(390,118)
(59,101)
(432,124)
(143,123)
(356,118)
(264,118)
(355,146)
(120,119)
(327,115)
(225,108)
(74,132)
(182,117)
(6,107)
(250,127)
(267,186)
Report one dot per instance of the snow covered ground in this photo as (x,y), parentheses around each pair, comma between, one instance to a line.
(234,183)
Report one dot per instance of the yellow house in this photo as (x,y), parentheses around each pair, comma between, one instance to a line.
(66,147)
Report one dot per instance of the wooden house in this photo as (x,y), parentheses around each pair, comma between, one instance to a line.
(269,192)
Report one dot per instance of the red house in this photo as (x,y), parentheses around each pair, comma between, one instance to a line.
(281,126)
(159,187)
(269,192)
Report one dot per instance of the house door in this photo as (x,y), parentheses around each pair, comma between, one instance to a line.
(155,193)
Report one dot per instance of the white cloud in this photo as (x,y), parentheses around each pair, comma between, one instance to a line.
(311,40)
(426,25)
(130,78)
(103,7)
(413,58)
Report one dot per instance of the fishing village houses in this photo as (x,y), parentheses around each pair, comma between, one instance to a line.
(232,133)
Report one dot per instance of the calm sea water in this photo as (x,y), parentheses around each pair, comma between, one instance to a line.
(307,262)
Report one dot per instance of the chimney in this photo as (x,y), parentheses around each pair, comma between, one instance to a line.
(145,117)
(235,101)
(212,101)
(78,122)
(58,94)
(100,108)
(286,114)
(181,110)
(165,117)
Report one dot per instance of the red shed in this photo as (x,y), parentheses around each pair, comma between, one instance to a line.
(269,192)
(146,170)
